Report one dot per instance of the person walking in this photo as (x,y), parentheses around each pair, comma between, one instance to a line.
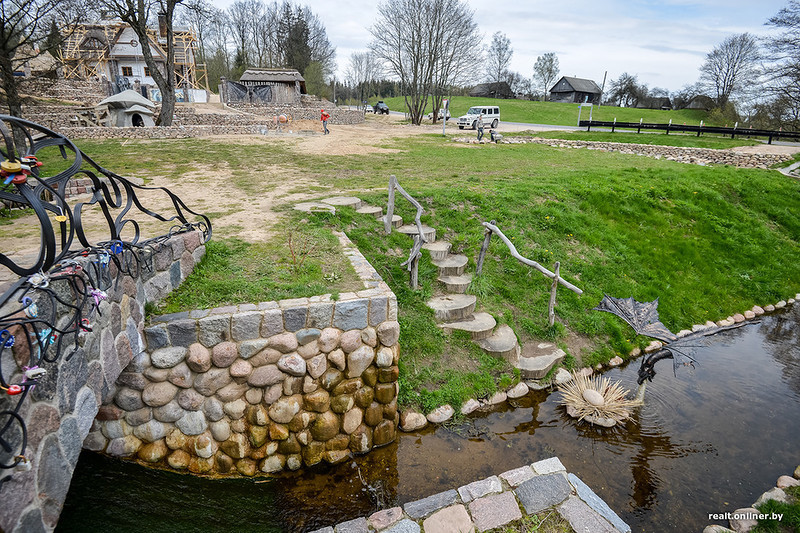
(479,126)
(324,118)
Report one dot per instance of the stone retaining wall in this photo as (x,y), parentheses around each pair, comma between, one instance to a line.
(261,388)
(695,156)
(163,132)
(338,115)
(61,409)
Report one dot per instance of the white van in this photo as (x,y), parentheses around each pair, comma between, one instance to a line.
(491,117)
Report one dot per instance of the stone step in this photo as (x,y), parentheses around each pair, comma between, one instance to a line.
(536,360)
(452,265)
(452,307)
(438,249)
(457,284)
(411,230)
(373,210)
(343,201)
(311,207)
(502,343)
(480,325)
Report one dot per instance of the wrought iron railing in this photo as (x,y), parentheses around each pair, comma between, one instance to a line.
(44,314)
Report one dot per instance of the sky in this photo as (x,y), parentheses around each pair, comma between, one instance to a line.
(663,42)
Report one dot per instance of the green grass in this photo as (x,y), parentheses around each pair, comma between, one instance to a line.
(789,523)
(561,114)
(658,139)
(548,521)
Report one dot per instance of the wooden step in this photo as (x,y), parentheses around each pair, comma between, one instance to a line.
(397,220)
(502,343)
(375,211)
(457,284)
(479,325)
(313,207)
(438,249)
(452,265)
(343,201)
(536,360)
(452,307)
(411,229)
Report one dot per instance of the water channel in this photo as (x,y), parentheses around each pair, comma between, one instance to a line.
(709,440)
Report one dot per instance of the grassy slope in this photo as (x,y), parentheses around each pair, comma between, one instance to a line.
(562,114)
(709,241)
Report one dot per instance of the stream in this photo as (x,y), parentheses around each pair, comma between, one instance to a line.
(709,440)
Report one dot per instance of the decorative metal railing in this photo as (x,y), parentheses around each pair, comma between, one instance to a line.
(44,314)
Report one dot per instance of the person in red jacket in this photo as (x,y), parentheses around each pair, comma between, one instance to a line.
(324,118)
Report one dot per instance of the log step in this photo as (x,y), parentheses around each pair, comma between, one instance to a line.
(502,344)
(343,201)
(536,360)
(375,211)
(411,229)
(457,284)
(452,265)
(313,207)
(480,325)
(452,307)
(438,249)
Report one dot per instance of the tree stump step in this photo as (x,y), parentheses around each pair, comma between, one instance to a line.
(438,249)
(452,307)
(457,284)
(343,201)
(502,343)
(452,265)
(479,325)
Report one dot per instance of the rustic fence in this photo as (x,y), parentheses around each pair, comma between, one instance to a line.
(412,262)
(702,128)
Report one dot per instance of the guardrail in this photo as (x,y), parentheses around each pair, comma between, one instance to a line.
(685,128)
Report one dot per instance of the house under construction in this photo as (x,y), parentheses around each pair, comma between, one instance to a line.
(110,50)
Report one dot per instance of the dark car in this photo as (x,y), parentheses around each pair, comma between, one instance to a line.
(381,108)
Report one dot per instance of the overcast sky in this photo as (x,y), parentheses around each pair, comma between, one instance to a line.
(663,42)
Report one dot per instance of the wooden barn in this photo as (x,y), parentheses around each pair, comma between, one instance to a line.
(575,90)
(265,86)
(492,90)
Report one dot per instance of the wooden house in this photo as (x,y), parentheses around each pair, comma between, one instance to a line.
(575,90)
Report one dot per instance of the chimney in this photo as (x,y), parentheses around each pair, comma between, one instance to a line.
(162,25)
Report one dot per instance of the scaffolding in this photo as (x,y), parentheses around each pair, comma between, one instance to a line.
(87,53)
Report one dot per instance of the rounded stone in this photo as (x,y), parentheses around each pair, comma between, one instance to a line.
(237,446)
(593,397)
(385,392)
(384,433)
(190,399)
(220,430)
(373,414)
(388,332)
(150,431)
(325,426)
(284,410)
(128,399)
(317,365)
(192,423)
(329,339)
(330,378)
(179,460)
(305,336)
(359,360)
(272,394)
(213,410)
(265,376)
(198,357)
(181,376)
(412,421)
(168,357)
(441,414)
(224,354)
(235,409)
(204,446)
(168,413)
(254,396)
(342,403)
(283,342)
(786,482)
(385,357)
(211,381)
(292,364)
(361,439)
(352,420)
(369,337)
(364,396)
(309,350)
(350,340)
(518,391)
(318,401)
(153,452)
(470,406)
(294,462)
(158,394)
(273,464)
(240,368)
(338,359)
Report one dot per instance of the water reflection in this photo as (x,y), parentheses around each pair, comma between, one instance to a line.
(708,440)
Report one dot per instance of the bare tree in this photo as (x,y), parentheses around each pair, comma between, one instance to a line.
(731,67)
(626,90)
(24,30)
(364,69)
(545,72)
(241,29)
(428,45)
(498,56)
(783,70)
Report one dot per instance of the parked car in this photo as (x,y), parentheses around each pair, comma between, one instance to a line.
(441,115)
(368,109)
(491,117)
(381,108)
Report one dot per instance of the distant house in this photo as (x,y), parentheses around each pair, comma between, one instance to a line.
(492,90)
(655,102)
(575,90)
(284,85)
(701,101)
(110,50)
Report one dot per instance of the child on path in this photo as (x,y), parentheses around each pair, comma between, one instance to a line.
(324,118)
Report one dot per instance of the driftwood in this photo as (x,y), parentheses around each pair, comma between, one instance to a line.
(551,311)
(419,239)
(494,229)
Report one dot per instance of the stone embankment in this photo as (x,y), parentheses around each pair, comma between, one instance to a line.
(495,502)
(745,519)
(261,388)
(689,155)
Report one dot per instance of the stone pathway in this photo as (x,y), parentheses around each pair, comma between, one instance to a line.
(495,502)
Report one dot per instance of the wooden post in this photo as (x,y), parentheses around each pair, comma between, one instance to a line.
(414,265)
(486,238)
(387,221)
(551,314)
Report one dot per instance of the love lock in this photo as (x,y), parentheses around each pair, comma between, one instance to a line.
(9,340)
(31,161)
(117,247)
(11,167)
(85,325)
(31,310)
(24,465)
(39,280)
(62,217)
(35,372)
(13,390)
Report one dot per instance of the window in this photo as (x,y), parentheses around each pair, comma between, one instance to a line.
(127,71)
(146,71)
